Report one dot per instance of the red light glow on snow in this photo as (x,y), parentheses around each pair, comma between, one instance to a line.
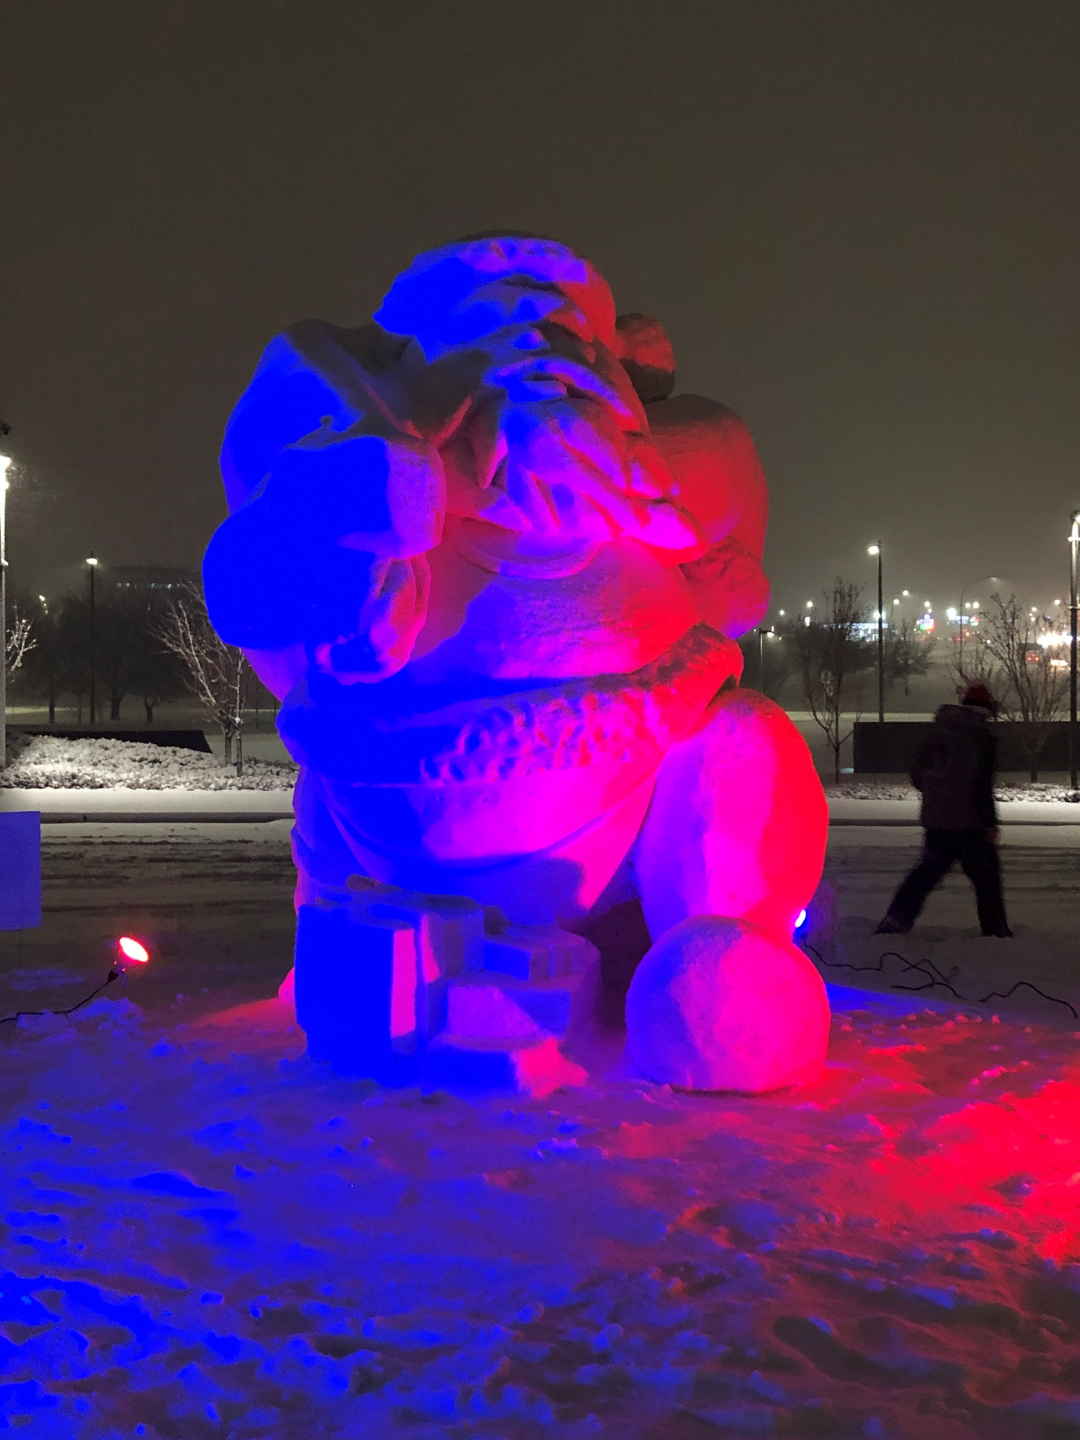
(132,949)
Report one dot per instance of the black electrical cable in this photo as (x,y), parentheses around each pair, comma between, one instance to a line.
(113,974)
(936,978)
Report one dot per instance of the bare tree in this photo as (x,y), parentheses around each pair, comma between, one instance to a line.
(72,667)
(1015,655)
(216,674)
(908,652)
(832,656)
(20,641)
(133,660)
(42,676)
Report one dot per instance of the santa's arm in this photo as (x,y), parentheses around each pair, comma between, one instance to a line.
(335,503)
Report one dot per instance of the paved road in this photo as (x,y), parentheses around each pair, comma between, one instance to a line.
(213,901)
(238,875)
(1041,869)
(216,900)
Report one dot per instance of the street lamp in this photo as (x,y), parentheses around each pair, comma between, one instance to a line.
(5,461)
(994,580)
(91,563)
(876,550)
(1074,539)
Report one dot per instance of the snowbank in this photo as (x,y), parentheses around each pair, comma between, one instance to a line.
(898,790)
(47,762)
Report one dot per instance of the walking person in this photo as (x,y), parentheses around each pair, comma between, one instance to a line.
(955,774)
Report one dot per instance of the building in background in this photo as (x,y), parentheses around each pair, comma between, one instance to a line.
(147,577)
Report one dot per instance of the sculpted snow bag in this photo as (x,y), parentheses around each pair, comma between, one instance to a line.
(495,570)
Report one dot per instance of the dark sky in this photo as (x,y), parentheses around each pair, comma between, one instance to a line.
(860,224)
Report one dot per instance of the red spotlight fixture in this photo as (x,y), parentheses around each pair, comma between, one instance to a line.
(132,949)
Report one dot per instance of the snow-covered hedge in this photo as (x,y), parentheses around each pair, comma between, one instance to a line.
(897,790)
(50,763)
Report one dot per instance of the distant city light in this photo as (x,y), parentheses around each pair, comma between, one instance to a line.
(873,550)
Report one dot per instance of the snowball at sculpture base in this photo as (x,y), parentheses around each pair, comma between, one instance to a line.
(494,570)
(716,1004)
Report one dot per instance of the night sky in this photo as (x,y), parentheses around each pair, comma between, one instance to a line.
(860,224)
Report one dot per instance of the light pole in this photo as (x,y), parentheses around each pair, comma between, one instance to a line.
(994,580)
(92,567)
(876,550)
(5,461)
(1074,539)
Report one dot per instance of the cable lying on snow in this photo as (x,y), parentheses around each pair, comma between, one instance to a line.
(128,951)
(936,978)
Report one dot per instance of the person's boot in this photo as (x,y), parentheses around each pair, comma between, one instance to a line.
(890,925)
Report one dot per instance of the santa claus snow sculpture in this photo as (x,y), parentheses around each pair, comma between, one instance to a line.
(494,571)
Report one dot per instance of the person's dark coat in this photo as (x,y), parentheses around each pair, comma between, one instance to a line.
(955,771)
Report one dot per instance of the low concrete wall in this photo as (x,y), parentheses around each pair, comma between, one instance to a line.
(177,739)
(891,748)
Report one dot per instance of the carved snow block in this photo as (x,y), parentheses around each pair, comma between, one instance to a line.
(20,869)
(525,1065)
(536,952)
(357,982)
(429,998)
(499,1005)
(462,931)
(458,928)
(449,936)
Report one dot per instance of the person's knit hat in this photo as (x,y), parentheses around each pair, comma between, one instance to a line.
(978,694)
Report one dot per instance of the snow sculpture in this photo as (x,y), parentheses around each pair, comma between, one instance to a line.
(495,571)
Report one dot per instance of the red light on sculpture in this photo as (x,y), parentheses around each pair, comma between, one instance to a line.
(133,950)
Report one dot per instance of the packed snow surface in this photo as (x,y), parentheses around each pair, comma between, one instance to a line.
(49,762)
(205,1235)
(208,1235)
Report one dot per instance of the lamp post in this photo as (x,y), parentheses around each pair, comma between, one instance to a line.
(5,461)
(876,550)
(1074,539)
(994,580)
(91,563)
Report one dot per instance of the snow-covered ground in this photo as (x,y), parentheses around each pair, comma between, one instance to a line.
(207,1235)
(48,762)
